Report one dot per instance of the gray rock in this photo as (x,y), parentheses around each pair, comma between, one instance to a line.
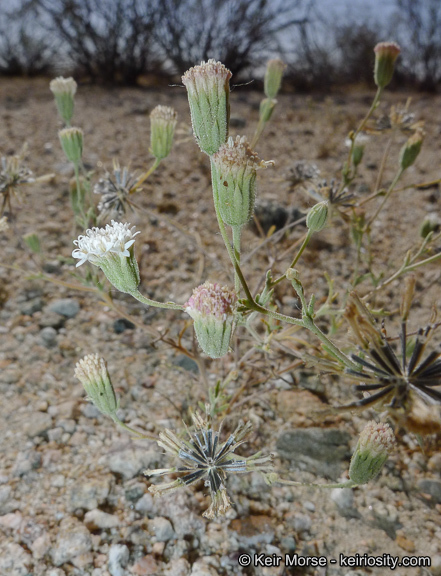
(48,337)
(145,504)
(344,500)
(25,462)
(67,307)
(385,517)
(162,529)
(32,306)
(55,434)
(186,363)
(73,540)
(130,462)
(431,487)
(118,559)
(99,519)
(51,320)
(134,491)
(319,450)
(14,560)
(300,522)
(91,411)
(288,544)
(39,423)
(89,493)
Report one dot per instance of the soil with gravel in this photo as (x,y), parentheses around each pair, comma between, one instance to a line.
(73,499)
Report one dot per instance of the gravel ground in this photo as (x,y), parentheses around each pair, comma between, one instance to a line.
(73,500)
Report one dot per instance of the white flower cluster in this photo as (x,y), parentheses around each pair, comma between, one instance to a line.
(115,238)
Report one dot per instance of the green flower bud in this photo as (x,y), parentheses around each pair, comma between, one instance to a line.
(32,241)
(111,249)
(386,54)
(162,125)
(64,90)
(208,90)
(409,152)
(212,308)
(233,172)
(317,217)
(375,444)
(266,109)
(429,224)
(72,143)
(273,77)
(92,372)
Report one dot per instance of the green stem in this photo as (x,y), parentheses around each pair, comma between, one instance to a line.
(132,431)
(144,176)
(309,324)
(348,484)
(169,305)
(386,198)
(296,259)
(236,247)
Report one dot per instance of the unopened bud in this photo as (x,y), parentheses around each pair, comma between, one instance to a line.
(234,170)
(386,54)
(32,241)
(266,109)
(273,77)
(208,87)
(72,143)
(430,224)
(162,128)
(317,217)
(64,90)
(375,444)
(92,372)
(409,152)
(212,308)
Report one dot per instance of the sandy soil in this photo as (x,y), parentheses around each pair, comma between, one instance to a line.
(63,464)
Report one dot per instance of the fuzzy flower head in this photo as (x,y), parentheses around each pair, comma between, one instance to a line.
(204,457)
(64,90)
(13,174)
(162,124)
(92,372)
(111,249)
(208,88)
(234,172)
(212,308)
(386,54)
(375,444)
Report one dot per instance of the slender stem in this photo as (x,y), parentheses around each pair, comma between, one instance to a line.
(386,198)
(144,176)
(144,300)
(236,247)
(309,324)
(79,198)
(132,431)
(296,259)
(348,484)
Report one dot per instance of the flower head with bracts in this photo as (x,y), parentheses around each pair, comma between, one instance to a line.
(204,457)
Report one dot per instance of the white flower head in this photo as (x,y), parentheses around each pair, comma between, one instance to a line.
(115,238)
(110,249)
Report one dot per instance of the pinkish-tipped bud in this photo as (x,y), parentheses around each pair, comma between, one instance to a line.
(212,308)
(386,54)
(375,444)
(208,87)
